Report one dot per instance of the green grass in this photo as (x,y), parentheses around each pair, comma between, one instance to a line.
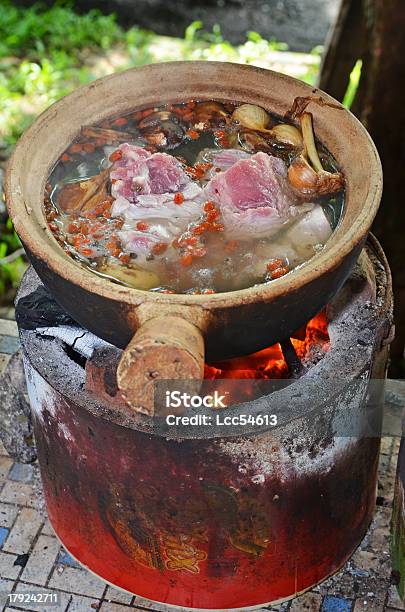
(46,52)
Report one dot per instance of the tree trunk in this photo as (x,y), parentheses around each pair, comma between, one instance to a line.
(380,106)
(344,47)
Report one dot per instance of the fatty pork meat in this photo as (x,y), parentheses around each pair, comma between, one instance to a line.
(144,186)
(300,241)
(254,197)
(221,160)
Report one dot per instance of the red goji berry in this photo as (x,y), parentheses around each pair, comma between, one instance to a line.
(274,264)
(278,272)
(159,248)
(208,206)
(115,155)
(193,134)
(178,198)
(186,260)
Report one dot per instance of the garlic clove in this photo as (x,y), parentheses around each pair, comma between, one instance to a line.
(301,176)
(252,116)
(307,183)
(288,135)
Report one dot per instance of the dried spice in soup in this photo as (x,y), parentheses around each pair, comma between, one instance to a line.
(198,197)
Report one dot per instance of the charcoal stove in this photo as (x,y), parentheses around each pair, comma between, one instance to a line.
(207,517)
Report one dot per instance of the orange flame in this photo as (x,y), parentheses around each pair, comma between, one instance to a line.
(270,363)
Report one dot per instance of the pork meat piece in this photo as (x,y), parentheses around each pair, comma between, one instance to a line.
(302,239)
(160,206)
(253,196)
(221,160)
(140,172)
(309,233)
(144,187)
(226,158)
(142,242)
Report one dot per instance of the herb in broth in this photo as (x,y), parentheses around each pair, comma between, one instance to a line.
(197,197)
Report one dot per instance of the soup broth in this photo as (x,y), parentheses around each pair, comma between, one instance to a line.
(198,197)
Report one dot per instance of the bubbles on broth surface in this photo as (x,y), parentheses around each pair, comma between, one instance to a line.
(185,199)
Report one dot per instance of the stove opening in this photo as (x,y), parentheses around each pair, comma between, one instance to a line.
(283,360)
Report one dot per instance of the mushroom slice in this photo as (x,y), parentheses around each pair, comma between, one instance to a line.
(132,277)
(251,141)
(162,128)
(155,120)
(207,111)
(84,195)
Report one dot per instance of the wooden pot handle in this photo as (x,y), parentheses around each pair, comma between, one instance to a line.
(164,348)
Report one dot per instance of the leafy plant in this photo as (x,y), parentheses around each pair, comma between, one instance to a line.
(33,32)
(354,81)
(12,265)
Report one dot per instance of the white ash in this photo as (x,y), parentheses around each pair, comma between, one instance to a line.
(44,399)
(84,342)
(268,457)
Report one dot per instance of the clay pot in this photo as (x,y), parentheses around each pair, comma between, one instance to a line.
(174,333)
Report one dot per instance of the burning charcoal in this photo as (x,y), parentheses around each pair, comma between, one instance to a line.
(291,357)
(39,309)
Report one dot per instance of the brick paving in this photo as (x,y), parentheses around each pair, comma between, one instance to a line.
(32,560)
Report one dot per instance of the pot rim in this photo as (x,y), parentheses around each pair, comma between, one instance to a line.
(329,258)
